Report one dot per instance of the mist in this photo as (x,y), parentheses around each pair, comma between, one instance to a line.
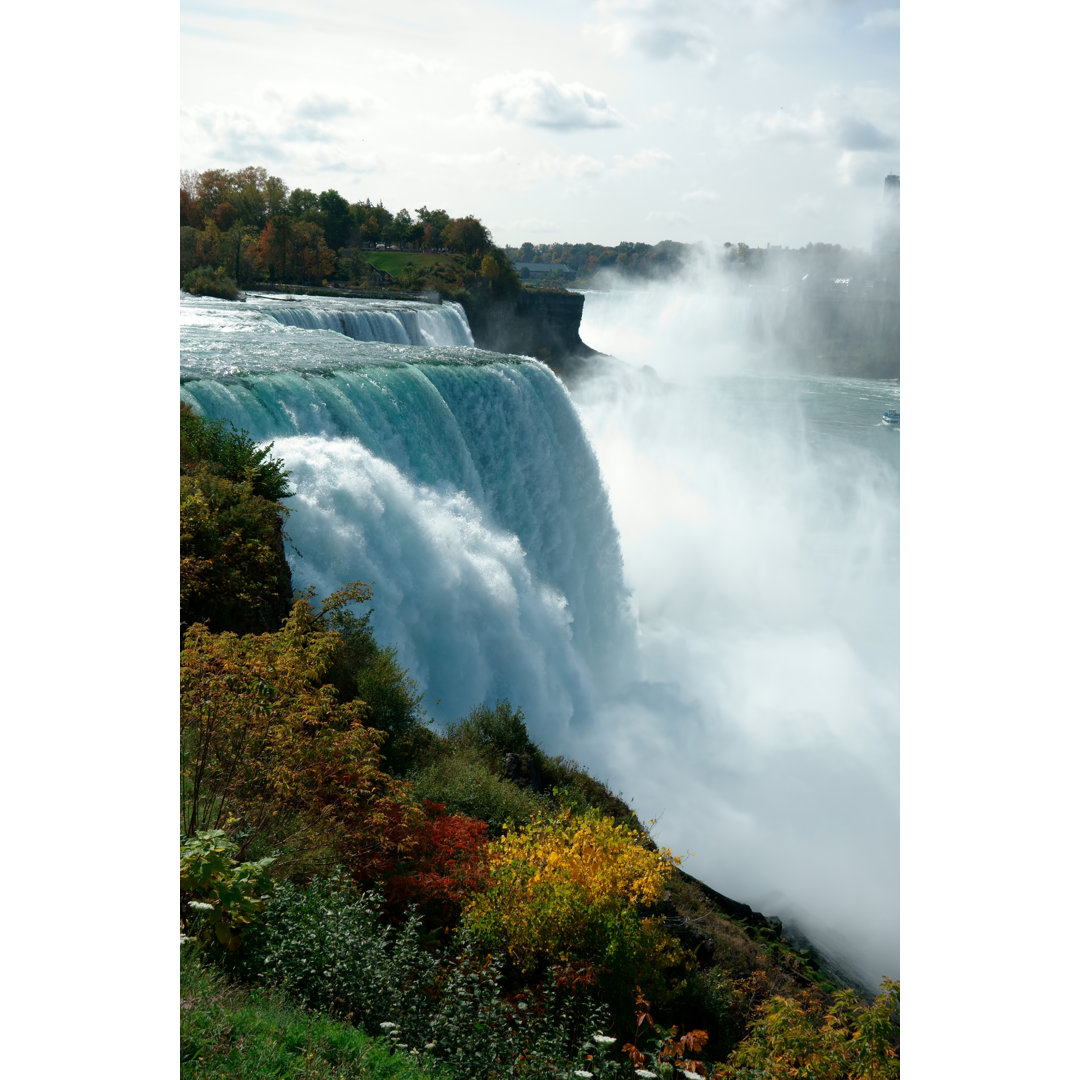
(758,513)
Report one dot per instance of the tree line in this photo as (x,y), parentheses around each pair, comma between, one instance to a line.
(252,227)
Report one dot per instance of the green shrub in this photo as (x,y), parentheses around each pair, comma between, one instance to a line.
(365,670)
(463,782)
(219,898)
(578,790)
(497,732)
(224,451)
(233,572)
(206,281)
(326,944)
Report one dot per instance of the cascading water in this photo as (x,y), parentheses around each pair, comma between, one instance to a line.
(749,702)
(400,322)
(458,483)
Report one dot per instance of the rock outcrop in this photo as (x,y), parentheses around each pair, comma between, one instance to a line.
(536,322)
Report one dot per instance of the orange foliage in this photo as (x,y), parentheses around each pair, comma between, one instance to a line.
(263,742)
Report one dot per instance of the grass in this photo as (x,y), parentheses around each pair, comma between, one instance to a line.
(242,1033)
(393,262)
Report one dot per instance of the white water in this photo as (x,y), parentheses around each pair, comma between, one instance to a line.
(759,523)
(458,483)
(757,519)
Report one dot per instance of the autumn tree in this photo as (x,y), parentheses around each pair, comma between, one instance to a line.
(467,235)
(268,749)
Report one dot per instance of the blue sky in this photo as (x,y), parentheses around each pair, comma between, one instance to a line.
(763,121)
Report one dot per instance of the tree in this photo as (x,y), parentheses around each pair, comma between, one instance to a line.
(334,218)
(301,203)
(433,222)
(467,235)
(268,751)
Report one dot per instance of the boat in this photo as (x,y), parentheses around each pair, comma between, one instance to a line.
(890,417)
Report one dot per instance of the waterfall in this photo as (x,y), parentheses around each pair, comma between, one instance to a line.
(398,322)
(461,486)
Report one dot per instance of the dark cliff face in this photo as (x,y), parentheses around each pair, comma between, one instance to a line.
(536,323)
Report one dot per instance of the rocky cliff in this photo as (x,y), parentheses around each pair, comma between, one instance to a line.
(536,322)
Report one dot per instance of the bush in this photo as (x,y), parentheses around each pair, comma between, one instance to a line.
(219,898)
(206,281)
(327,944)
(462,780)
(262,741)
(364,670)
(232,454)
(571,888)
(497,732)
(233,573)
(801,1037)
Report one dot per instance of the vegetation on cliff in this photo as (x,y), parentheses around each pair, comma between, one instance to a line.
(364,895)
(249,228)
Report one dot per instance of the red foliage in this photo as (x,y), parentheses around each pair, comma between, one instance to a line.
(446,864)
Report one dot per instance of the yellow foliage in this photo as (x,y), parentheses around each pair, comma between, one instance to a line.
(575,887)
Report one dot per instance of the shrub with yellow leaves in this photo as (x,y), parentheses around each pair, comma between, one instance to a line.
(572,887)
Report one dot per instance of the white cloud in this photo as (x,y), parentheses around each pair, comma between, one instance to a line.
(878,21)
(760,65)
(233,137)
(571,166)
(856,119)
(356,165)
(700,196)
(410,63)
(864,170)
(806,206)
(787,126)
(305,131)
(643,159)
(853,133)
(321,107)
(470,160)
(532,226)
(658,29)
(668,217)
(535,99)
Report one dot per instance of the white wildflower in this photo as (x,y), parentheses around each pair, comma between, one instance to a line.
(429,1046)
(388,1025)
(198,905)
(646,1074)
(604,1040)
(584,1073)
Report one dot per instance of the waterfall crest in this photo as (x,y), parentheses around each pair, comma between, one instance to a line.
(462,487)
(397,322)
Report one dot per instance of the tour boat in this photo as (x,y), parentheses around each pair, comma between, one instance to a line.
(890,417)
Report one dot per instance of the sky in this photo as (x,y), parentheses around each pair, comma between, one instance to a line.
(754,121)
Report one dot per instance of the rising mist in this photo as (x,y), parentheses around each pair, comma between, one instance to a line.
(758,512)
